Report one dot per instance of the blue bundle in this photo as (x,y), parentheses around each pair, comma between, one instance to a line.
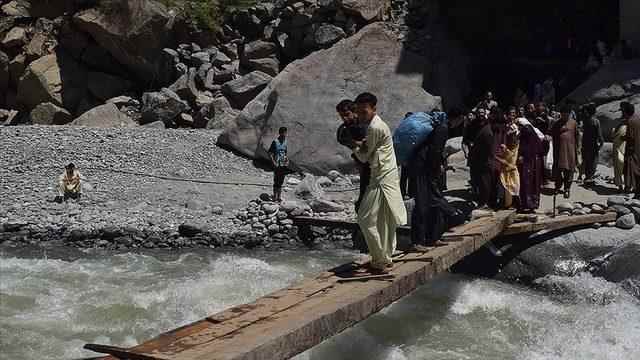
(413,131)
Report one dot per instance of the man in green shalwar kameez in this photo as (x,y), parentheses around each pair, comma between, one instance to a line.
(382,208)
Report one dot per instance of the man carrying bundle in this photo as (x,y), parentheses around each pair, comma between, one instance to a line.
(382,209)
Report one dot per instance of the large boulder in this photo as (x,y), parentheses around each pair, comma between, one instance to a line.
(219,114)
(104,116)
(609,114)
(4,76)
(327,35)
(15,37)
(367,9)
(55,78)
(134,32)
(163,105)
(104,86)
(40,8)
(49,114)
(186,87)
(245,88)
(303,97)
(611,82)
(269,66)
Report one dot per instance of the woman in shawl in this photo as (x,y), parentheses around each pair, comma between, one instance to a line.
(619,147)
(530,165)
(507,157)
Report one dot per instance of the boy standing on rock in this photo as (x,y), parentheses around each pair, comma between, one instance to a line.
(278,154)
(69,183)
(381,210)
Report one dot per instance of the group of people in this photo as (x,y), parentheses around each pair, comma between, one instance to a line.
(512,154)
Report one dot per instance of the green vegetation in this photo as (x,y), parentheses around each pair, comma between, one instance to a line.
(208,14)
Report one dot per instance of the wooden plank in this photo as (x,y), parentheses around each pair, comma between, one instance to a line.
(292,320)
(121,353)
(564,222)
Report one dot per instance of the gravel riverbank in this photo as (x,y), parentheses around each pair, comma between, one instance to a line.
(120,208)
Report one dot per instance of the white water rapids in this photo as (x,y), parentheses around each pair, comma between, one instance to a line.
(50,308)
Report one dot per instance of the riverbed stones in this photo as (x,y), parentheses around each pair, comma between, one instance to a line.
(621,210)
(616,200)
(565,207)
(626,222)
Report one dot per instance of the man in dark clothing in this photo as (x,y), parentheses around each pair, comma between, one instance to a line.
(349,131)
(482,158)
(429,217)
(592,141)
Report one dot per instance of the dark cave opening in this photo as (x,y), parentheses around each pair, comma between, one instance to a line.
(515,44)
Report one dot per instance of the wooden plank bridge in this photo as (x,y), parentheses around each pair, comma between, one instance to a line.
(292,320)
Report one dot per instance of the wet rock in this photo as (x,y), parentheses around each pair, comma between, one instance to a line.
(626,222)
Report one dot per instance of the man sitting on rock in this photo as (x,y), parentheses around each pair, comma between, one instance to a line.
(278,154)
(69,183)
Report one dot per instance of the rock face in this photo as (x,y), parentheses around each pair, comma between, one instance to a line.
(611,82)
(104,86)
(609,114)
(134,32)
(49,114)
(303,98)
(104,116)
(54,78)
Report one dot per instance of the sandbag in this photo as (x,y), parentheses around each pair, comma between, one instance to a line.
(414,130)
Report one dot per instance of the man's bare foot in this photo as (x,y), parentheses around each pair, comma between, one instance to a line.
(439,243)
(419,248)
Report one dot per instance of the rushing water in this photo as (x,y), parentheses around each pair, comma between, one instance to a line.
(49,308)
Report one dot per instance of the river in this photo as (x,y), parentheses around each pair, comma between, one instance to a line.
(51,306)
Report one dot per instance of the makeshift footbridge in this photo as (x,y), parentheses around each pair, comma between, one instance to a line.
(292,320)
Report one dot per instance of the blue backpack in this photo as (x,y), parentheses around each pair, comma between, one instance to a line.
(413,131)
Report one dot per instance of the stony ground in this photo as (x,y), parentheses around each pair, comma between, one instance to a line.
(140,185)
(33,157)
